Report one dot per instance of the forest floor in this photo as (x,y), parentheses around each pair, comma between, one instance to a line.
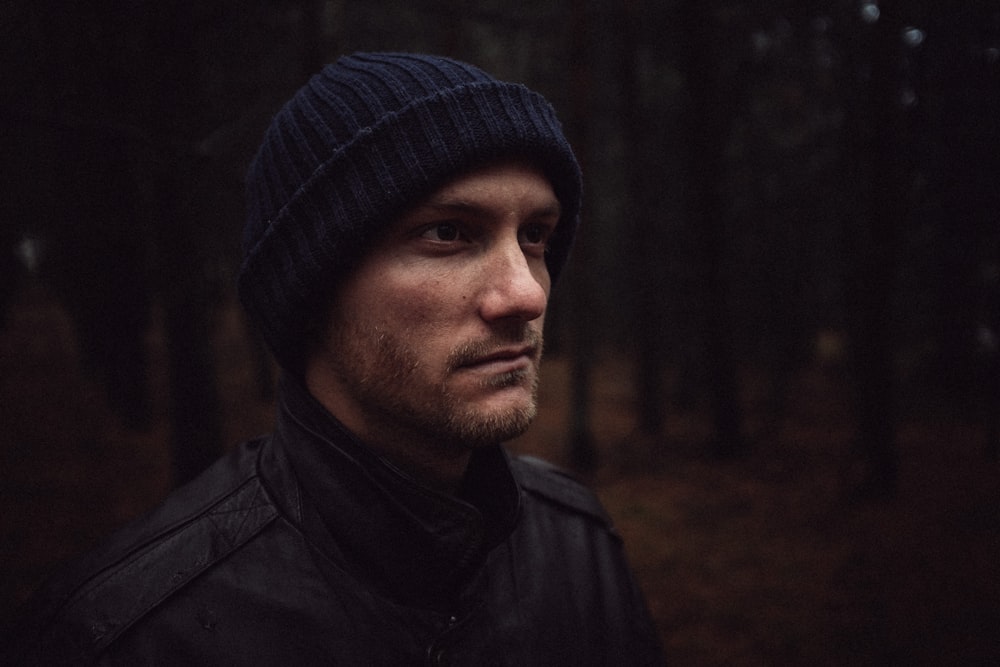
(766,559)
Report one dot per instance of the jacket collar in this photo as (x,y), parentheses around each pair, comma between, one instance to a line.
(410,542)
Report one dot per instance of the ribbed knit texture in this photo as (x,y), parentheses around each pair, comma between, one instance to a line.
(367,137)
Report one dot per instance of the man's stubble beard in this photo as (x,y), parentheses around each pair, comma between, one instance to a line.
(385,379)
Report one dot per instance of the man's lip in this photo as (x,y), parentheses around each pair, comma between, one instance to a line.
(506,354)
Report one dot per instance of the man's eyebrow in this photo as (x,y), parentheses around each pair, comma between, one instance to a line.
(454,205)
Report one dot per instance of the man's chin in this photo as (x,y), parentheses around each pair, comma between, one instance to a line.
(488,426)
(497,404)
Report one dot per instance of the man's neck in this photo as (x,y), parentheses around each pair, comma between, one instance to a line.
(437,466)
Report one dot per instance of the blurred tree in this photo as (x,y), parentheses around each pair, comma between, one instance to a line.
(132,128)
(877,161)
(707,124)
(959,229)
(643,178)
(582,451)
(782,154)
(68,167)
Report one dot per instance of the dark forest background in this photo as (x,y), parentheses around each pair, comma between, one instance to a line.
(771,188)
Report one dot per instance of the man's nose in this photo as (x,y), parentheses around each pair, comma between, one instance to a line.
(514,285)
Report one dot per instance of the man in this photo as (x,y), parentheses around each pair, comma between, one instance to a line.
(407,216)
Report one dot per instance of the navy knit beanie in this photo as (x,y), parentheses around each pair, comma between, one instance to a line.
(363,140)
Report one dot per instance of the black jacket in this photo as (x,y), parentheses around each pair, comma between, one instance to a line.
(305,548)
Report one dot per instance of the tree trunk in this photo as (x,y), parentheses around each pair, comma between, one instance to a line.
(707,125)
(583,454)
(645,250)
(873,242)
(177,122)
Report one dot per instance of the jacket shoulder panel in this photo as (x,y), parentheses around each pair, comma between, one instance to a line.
(556,486)
(152,558)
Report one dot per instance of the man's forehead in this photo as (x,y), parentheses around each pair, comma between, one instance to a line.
(500,184)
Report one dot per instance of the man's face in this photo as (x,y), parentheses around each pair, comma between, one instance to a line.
(435,338)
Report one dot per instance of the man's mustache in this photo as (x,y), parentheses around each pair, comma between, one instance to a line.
(472,352)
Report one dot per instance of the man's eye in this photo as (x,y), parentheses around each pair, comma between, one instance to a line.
(534,234)
(444,232)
